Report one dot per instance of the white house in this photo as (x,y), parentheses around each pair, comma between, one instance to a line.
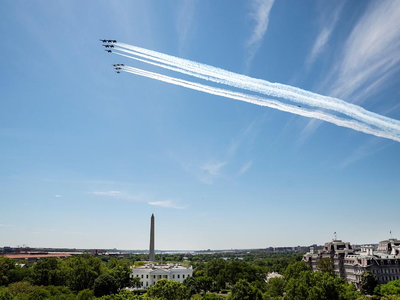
(149,274)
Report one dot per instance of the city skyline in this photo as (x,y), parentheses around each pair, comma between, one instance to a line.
(87,155)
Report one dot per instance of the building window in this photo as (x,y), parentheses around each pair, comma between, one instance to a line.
(173,276)
(147,276)
(142,275)
(183,276)
(178,275)
(147,283)
(154,276)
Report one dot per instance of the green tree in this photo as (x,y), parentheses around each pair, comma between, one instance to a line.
(39,294)
(214,267)
(390,288)
(368,283)
(5,294)
(204,283)
(85,295)
(243,290)
(22,287)
(6,264)
(315,286)
(207,297)
(191,285)
(135,282)
(19,274)
(168,290)
(48,271)
(139,263)
(276,287)
(294,270)
(122,274)
(390,297)
(82,271)
(105,284)
(325,265)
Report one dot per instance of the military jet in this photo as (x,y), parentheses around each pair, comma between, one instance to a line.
(109,51)
(117,65)
(118,72)
(298,106)
(109,46)
(118,68)
(104,41)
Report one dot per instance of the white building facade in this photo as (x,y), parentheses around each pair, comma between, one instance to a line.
(150,274)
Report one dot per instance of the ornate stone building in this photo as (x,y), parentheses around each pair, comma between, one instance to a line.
(351,264)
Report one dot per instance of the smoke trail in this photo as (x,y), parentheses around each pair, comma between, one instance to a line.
(264,102)
(261,86)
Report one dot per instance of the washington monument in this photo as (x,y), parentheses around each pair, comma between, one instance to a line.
(151,254)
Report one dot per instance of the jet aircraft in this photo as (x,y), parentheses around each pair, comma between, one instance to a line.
(109,46)
(118,72)
(118,68)
(117,65)
(108,41)
(109,51)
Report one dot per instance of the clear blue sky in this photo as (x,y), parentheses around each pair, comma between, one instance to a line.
(87,155)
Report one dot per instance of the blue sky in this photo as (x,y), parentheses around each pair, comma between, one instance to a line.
(87,155)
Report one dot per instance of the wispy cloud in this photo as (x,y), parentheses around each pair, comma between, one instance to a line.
(213,168)
(107,193)
(119,195)
(124,196)
(371,55)
(328,20)
(184,23)
(166,203)
(245,168)
(369,148)
(260,10)
(58,196)
(211,171)
(6,225)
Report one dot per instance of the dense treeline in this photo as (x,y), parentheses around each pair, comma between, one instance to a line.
(218,276)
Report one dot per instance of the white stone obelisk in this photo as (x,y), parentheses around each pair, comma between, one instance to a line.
(151,254)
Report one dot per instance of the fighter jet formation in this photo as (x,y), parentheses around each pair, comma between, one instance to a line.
(109,44)
(108,41)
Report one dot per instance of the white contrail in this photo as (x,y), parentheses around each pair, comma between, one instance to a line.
(265,102)
(262,86)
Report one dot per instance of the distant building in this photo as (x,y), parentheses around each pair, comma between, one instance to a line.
(272,275)
(351,264)
(150,274)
